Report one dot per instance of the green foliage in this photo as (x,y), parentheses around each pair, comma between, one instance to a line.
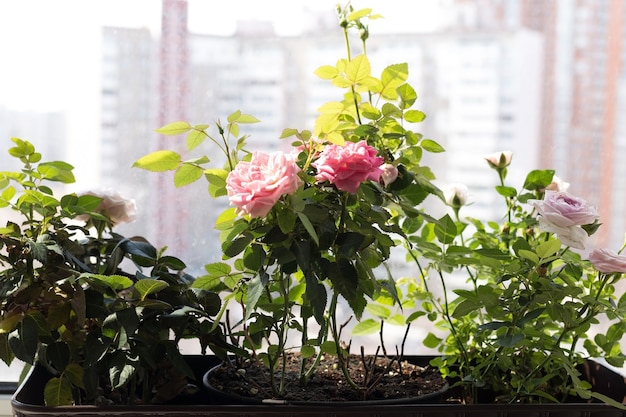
(67,302)
(320,244)
(520,325)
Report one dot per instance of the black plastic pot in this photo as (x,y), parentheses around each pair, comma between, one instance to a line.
(28,400)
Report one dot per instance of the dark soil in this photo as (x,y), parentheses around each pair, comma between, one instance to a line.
(389,380)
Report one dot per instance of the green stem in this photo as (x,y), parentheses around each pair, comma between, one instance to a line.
(336,339)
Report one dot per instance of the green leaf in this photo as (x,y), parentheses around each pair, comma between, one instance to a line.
(538,179)
(187,174)
(23,340)
(195,138)
(358,70)
(445,230)
(307,351)
(309,227)
(122,369)
(464,308)
(255,289)
(159,161)
(326,72)
(548,248)
(431,341)
(149,286)
(431,146)
(366,327)
(175,128)
(74,373)
(505,191)
(407,96)
(391,78)
(57,392)
(379,311)
(414,116)
(114,282)
(530,255)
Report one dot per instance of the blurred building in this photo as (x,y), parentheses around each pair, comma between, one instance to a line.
(469,84)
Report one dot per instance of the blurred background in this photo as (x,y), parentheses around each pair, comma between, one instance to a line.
(88,82)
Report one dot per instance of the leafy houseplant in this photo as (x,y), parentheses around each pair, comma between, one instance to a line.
(96,309)
(520,326)
(314,224)
(319,223)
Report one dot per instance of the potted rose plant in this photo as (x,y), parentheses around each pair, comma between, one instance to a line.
(99,313)
(521,296)
(314,225)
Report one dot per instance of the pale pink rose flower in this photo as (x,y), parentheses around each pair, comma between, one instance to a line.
(114,206)
(348,166)
(389,174)
(565,210)
(254,187)
(572,236)
(499,159)
(607,261)
(455,194)
(557,184)
(564,214)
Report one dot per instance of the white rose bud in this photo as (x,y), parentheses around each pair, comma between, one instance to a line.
(389,175)
(499,159)
(114,206)
(456,195)
(557,184)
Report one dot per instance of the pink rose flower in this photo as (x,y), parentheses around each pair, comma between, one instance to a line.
(348,166)
(564,214)
(389,174)
(607,261)
(114,206)
(565,210)
(254,187)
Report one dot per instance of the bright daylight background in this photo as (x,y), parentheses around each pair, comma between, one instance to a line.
(543,78)
(51,53)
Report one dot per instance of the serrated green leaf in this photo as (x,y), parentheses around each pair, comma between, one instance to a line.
(149,286)
(358,70)
(195,138)
(326,72)
(187,174)
(174,128)
(414,116)
(57,392)
(431,341)
(114,282)
(366,327)
(159,161)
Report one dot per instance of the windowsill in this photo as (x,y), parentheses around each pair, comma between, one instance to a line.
(5,405)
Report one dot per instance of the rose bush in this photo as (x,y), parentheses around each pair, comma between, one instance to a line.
(307,231)
(516,303)
(519,322)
